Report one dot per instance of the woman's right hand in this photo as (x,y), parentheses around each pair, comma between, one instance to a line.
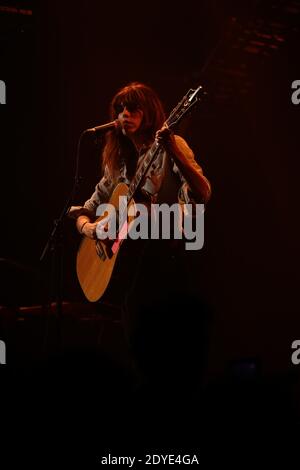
(89,230)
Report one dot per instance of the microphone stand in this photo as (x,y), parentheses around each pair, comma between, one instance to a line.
(54,246)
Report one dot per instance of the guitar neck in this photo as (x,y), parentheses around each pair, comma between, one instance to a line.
(142,170)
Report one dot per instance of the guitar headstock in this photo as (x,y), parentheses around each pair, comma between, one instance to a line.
(189,100)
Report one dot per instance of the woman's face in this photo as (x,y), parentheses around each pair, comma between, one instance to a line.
(130,118)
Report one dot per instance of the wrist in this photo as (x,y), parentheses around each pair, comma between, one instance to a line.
(82,226)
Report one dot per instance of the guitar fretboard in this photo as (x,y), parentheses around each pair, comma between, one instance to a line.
(142,170)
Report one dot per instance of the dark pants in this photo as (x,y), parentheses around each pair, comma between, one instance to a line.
(164,323)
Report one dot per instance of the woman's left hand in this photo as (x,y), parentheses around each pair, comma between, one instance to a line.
(165,137)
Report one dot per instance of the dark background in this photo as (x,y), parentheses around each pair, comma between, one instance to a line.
(62,65)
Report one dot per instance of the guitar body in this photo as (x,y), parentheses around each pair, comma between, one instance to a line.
(95,259)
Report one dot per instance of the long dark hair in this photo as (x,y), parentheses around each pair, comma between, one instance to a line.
(135,94)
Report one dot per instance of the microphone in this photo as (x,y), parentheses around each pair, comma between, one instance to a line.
(104,127)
